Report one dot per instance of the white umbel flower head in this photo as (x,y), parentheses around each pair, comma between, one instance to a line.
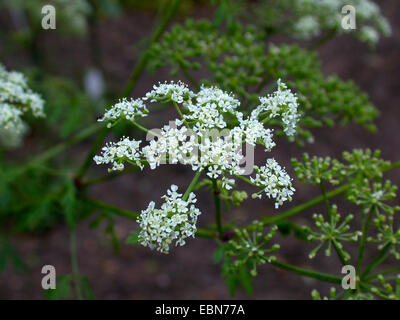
(16,99)
(209,107)
(176,92)
(125,109)
(117,153)
(282,102)
(175,221)
(274,181)
(209,137)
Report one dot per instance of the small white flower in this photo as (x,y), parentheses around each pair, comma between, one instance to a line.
(227,183)
(177,92)
(119,152)
(209,106)
(275,182)
(126,109)
(282,102)
(175,221)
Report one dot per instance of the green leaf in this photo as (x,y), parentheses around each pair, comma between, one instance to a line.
(63,289)
(232,283)
(110,230)
(219,254)
(69,203)
(245,279)
(87,291)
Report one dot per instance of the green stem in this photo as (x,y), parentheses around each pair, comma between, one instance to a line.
(329,213)
(380,257)
(74,263)
(145,55)
(217,203)
(365,231)
(192,185)
(322,40)
(309,204)
(326,201)
(306,272)
(392,270)
(189,77)
(145,129)
(376,292)
(109,177)
(181,114)
(339,253)
(92,152)
(137,71)
(300,208)
(203,233)
(61,147)
(244,179)
(106,206)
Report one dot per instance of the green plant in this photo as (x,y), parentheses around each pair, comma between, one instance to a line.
(253,94)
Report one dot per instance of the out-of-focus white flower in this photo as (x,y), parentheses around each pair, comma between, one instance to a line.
(314,16)
(275,182)
(307,27)
(175,221)
(16,99)
(384,27)
(94,85)
(369,35)
(367,9)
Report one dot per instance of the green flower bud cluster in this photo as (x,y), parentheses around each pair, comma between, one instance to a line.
(238,60)
(357,166)
(332,233)
(242,255)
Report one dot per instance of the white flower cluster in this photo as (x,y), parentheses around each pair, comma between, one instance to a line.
(211,144)
(369,34)
(177,92)
(125,109)
(254,131)
(316,15)
(282,102)
(275,182)
(209,107)
(16,99)
(117,153)
(175,221)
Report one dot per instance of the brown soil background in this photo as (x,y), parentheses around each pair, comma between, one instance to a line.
(188,272)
